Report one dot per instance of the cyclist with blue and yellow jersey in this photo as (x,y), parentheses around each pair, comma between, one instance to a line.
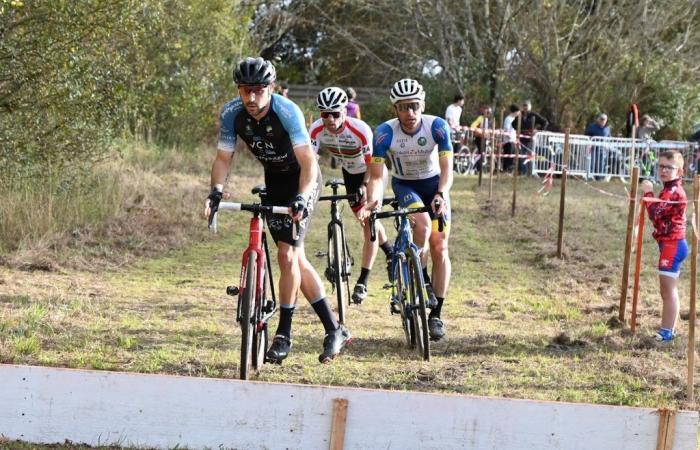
(273,129)
(419,149)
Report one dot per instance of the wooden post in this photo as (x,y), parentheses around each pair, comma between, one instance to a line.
(516,165)
(693,291)
(637,267)
(340,416)
(562,198)
(628,243)
(667,428)
(499,163)
(482,144)
(492,159)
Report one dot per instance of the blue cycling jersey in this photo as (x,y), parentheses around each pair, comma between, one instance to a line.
(272,139)
(413,156)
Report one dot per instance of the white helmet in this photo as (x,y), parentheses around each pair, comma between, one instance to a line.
(406,89)
(332,99)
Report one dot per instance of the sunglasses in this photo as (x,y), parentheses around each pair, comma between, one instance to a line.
(257,89)
(403,107)
(665,167)
(327,114)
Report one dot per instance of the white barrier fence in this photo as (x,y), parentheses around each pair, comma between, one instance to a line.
(589,157)
(49,405)
(598,157)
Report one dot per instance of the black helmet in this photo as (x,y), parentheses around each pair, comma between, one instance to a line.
(254,71)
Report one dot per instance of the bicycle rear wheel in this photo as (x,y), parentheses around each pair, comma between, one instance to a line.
(419,312)
(340,282)
(404,306)
(248,326)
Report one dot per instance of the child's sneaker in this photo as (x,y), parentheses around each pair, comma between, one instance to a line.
(664,335)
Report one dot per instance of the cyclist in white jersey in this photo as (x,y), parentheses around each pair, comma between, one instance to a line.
(350,142)
(420,152)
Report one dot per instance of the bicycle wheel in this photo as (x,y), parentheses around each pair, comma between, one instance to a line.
(260,341)
(340,284)
(401,293)
(418,309)
(248,328)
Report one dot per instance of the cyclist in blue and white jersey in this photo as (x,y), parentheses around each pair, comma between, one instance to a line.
(350,142)
(419,148)
(273,129)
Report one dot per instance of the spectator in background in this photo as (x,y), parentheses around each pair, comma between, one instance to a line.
(599,155)
(452,115)
(531,123)
(510,138)
(647,128)
(481,123)
(645,132)
(284,89)
(353,108)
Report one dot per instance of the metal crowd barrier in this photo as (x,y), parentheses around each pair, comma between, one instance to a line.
(605,158)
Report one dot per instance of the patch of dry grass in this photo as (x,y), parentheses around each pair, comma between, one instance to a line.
(521,323)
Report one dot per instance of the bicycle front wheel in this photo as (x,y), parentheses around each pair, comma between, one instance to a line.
(340,282)
(419,312)
(248,325)
(260,340)
(402,283)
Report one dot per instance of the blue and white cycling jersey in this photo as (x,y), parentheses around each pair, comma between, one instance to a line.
(273,139)
(415,156)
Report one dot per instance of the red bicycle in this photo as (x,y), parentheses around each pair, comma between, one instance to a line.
(256,294)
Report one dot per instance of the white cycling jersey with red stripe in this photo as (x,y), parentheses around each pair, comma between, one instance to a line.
(352,145)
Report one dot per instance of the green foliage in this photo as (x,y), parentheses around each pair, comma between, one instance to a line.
(74,75)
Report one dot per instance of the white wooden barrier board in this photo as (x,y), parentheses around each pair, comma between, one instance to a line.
(48,405)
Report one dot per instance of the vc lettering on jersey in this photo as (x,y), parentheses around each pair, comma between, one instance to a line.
(262,145)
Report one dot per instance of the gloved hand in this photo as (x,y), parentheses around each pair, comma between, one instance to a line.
(298,208)
(211,204)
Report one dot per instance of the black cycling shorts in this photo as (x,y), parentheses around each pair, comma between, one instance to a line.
(353,181)
(282,189)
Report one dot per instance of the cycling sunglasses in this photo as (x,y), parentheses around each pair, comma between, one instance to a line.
(327,114)
(403,107)
(257,89)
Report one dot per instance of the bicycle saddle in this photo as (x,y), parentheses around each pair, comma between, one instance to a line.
(333,182)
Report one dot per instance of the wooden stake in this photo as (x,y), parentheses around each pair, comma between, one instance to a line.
(562,198)
(516,166)
(637,267)
(482,144)
(667,428)
(340,416)
(693,291)
(498,160)
(628,243)
(492,161)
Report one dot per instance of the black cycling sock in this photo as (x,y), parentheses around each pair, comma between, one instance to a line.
(364,275)
(387,248)
(324,312)
(426,277)
(435,312)
(285,326)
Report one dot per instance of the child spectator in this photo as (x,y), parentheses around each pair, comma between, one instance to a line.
(668,217)
(353,108)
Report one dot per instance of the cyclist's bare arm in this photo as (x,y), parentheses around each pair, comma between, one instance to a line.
(309,170)
(375,186)
(445,182)
(220,168)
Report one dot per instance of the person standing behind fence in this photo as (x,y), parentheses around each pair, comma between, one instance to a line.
(645,133)
(452,115)
(510,138)
(599,154)
(481,123)
(668,217)
(353,108)
(531,124)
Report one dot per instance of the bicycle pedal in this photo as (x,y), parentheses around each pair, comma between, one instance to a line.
(320,254)
(387,286)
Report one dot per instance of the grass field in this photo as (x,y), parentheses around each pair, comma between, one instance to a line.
(521,323)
